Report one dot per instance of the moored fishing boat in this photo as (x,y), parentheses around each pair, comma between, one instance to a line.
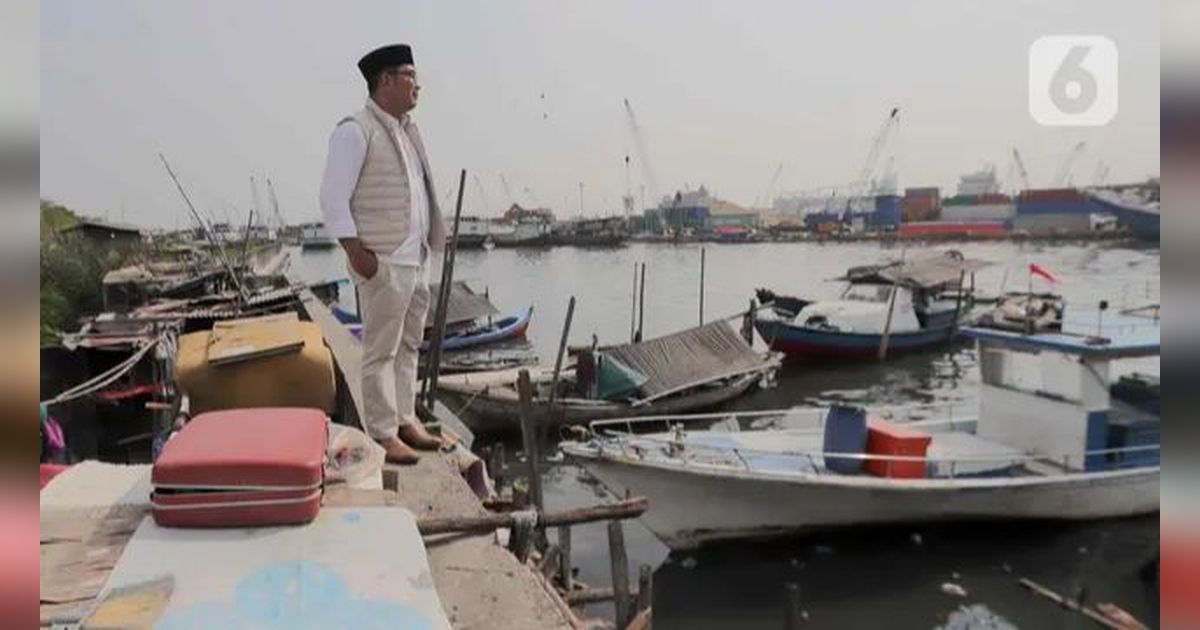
(1051,441)
(685,371)
(902,305)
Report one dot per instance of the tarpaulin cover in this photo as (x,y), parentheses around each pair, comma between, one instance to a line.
(688,358)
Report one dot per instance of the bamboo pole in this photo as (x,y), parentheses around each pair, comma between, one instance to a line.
(529,439)
(628,508)
(439,319)
(959,300)
(208,233)
(633,312)
(645,593)
(564,565)
(641,306)
(702,286)
(887,324)
(619,564)
(1070,604)
(562,349)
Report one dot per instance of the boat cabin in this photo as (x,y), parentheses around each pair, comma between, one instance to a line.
(1051,394)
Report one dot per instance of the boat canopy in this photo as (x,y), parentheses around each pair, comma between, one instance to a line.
(688,358)
(930,272)
(465,305)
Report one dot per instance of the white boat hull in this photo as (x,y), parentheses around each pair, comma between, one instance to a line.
(697,505)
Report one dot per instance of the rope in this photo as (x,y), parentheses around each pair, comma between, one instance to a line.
(104,379)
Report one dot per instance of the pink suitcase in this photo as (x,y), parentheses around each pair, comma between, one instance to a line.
(242,468)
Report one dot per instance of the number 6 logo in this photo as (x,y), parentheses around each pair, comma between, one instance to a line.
(1073,80)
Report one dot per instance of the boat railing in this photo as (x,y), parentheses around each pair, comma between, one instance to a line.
(702,455)
(813,417)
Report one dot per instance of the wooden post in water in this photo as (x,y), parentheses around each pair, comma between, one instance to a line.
(529,439)
(701,286)
(487,295)
(645,592)
(887,324)
(564,566)
(793,616)
(551,410)
(439,319)
(620,572)
(633,309)
(748,323)
(959,302)
(562,350)
(641,305)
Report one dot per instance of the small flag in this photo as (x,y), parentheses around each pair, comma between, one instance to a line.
(1038,270)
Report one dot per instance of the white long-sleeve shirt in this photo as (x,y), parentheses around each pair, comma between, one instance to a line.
(347,152)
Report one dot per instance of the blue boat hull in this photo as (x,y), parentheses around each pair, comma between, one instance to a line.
(510,327)
(1141,223)
(798,342)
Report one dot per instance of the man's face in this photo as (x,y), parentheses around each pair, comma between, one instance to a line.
(401,86)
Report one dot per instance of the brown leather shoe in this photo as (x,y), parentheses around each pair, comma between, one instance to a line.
(397,452)
(417,437)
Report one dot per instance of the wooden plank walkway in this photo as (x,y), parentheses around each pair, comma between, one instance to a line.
(480,583)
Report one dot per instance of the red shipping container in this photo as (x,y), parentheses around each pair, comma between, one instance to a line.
(889,438)
(1051,194)
(954,228)
(242,468)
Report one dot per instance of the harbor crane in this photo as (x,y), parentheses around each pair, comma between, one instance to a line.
(860,186)
(1019,164)
(639,143)
(1064,172)
(766,196)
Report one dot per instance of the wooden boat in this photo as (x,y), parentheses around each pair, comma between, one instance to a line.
(314,236)
(1075,452)
(1024,312)
(913,304)
(694,369)
(461,338)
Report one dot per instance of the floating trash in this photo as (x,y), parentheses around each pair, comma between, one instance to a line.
(950,588)
(976,617)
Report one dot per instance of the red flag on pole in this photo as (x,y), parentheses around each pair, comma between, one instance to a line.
(1038,270)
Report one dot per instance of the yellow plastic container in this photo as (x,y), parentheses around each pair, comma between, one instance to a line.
(294,377)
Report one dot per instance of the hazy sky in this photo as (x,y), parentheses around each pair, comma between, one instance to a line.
(724,92)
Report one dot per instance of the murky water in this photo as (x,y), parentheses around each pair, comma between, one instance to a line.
(878,578)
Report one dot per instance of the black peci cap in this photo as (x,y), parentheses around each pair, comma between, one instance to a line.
(385,57)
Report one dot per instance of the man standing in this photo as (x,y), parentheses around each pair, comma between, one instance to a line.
(378,200)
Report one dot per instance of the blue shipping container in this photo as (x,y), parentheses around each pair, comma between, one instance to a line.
(889,210)
(1057,207)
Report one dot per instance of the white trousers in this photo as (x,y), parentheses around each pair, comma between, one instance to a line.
(392,305)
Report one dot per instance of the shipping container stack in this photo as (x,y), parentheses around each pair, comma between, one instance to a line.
(921,204)
(984,207)
(1054,211)
(888,212)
